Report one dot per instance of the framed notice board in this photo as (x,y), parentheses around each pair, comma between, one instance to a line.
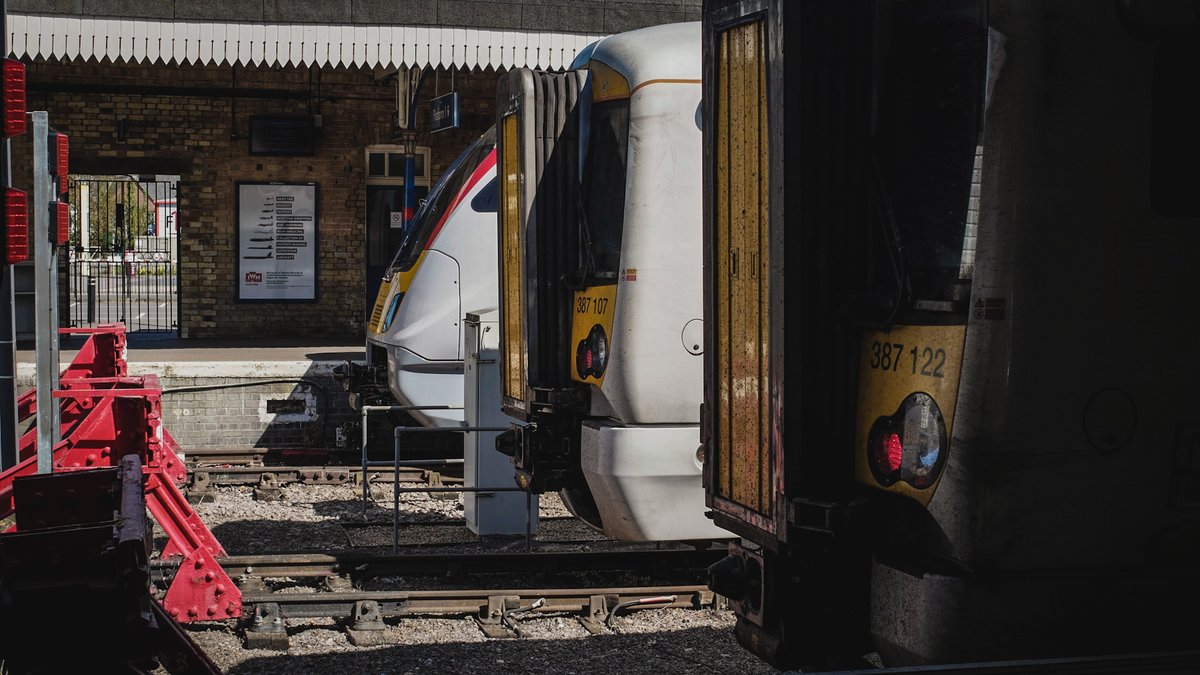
(276,242)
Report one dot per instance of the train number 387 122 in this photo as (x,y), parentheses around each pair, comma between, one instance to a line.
(926,361)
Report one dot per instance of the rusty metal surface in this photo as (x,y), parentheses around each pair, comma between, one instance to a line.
(474,601)
(417,562)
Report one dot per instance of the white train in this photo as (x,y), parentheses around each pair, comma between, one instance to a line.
(445,268)
(600,282)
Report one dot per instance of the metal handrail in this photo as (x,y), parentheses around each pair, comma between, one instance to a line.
(368,409)
(395,464)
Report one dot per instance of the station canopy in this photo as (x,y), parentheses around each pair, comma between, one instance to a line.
(67,38)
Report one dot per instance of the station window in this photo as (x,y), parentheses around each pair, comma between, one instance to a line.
(385,164)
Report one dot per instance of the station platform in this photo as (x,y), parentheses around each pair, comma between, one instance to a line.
(248,392)
(144,349)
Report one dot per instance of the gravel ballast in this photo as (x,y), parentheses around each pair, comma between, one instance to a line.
(311,518)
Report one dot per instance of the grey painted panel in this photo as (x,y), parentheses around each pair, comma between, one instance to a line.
(45,7)
(582,4)
(479,14)
(621,19)
(565,18)
(129,9)
(307,11)
(393,13)
(218,10)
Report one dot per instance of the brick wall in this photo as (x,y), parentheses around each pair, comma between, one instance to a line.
(238,412)
(194,122)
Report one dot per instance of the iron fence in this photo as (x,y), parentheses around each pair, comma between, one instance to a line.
(123,253)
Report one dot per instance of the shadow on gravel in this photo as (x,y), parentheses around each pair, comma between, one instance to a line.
(693,650)
(255,537)
(379,507)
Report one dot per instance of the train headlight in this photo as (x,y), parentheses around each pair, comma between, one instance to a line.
(909,445)
(591,354)
(391,313)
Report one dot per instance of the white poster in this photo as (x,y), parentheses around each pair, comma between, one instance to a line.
(164,218)
(277,241)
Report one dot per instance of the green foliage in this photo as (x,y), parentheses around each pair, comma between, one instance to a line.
(118,211)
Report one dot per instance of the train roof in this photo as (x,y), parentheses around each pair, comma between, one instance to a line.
(666,52)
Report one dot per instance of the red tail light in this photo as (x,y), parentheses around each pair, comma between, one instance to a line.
(894,450)
(60,146)
(16,226)
(909,445)
(14,97)
(62,213)
(591,354)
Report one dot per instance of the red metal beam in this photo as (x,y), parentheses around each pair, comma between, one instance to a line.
(107,415)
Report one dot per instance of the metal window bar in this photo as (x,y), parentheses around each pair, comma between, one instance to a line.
(123,253)
(395,464)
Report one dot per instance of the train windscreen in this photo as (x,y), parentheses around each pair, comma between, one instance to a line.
(604,186)
(927,141)
(426,219)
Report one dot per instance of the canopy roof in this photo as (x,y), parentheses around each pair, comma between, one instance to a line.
(68,38)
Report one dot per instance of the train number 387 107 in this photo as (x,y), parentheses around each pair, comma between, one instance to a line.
(588,305)
(926,361)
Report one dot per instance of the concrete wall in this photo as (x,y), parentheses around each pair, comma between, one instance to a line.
(234,404)
(575,16)
(194,122)
(238,412)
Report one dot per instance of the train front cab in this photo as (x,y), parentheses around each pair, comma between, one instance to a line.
(444,269)
(929,432)
(600,280)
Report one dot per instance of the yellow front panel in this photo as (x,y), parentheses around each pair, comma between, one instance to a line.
(385,291)
(511,260)
(895,364)
(607,84)
(592,310)
(399,283)
(741,257)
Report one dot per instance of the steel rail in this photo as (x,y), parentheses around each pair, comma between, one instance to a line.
(203,457)
(473,601)
(312,475)
(412,563)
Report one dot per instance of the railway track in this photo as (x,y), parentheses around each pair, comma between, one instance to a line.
(208,467)
(355,566)
(202,478)
(496,607)
(497,611)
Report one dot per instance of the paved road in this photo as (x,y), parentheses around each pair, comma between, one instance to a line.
(143,302)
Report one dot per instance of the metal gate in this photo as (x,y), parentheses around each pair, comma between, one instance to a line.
(123,253)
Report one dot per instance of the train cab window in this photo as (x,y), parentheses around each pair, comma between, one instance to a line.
(930,99)
(604,185)
(488,199)
(1174,132)
(426,218)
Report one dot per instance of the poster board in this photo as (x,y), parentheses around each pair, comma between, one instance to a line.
(276,242)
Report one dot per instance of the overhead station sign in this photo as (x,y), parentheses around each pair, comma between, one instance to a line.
(443,112)
(277,242)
